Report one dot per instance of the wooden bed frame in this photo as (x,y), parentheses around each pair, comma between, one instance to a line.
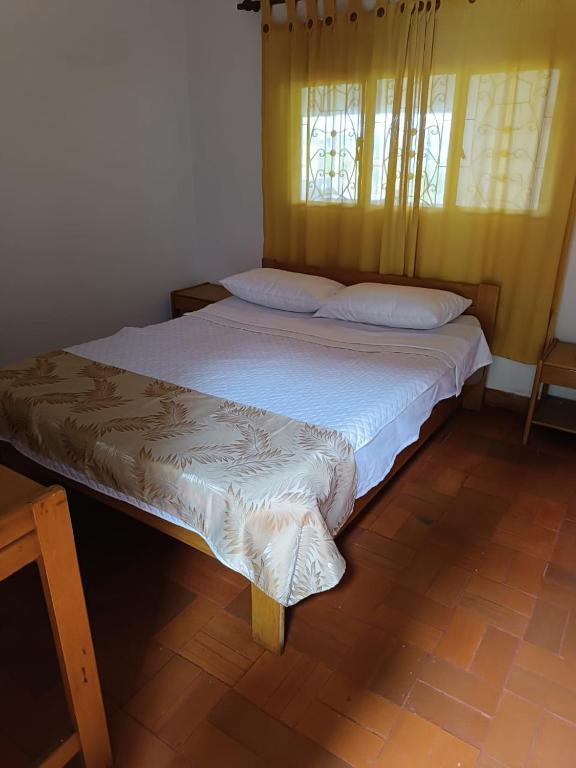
(267,614)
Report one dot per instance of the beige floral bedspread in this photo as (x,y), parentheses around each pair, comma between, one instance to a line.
(257,486)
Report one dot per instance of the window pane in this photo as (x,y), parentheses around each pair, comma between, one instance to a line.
(506,134)
(382,138)
(330,143)
(437,139)
(437,129)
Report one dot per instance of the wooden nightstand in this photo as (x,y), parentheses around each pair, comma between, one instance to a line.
(196,297)
(557,366)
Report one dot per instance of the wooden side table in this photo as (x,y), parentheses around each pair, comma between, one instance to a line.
(196,297)
(35,526)
(557,366)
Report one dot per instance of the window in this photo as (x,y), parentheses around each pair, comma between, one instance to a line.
(505,142)
(437,130)
(331,140)
(330,130)
(500,163)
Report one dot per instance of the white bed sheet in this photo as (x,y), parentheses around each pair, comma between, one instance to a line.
(376,386)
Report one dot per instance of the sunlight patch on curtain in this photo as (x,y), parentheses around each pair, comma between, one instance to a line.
(505,141)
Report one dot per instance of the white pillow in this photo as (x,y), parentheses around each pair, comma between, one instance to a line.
(280,289)
(396,306)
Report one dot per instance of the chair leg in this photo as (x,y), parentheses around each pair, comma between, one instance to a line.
(532,405)
(267,621)
(60,576)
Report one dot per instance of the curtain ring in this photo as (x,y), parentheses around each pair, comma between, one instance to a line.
(353,9)
(266,16)
(291,12)
(311,13)
(329,12)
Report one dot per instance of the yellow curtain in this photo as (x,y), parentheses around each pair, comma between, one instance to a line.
(424,138)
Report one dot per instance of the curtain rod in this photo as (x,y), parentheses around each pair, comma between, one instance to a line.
(254,5)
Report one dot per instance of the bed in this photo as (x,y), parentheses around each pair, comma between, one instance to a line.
(357,402)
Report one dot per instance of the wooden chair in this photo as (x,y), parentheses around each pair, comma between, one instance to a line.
(35,526)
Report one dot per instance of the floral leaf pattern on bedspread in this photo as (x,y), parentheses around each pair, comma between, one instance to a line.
(257,486)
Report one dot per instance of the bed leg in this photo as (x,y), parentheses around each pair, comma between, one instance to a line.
(473,397)
(267,621)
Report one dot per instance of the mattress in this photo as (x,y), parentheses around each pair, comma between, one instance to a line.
(376,386)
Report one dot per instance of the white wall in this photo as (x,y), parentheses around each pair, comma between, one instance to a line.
(566,327)
(124,169)
(224,65)
(130,165)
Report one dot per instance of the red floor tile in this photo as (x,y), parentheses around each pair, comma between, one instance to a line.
(450,642)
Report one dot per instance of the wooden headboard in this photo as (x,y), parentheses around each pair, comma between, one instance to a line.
(484,295)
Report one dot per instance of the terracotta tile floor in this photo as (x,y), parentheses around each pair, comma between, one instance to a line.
(451,641)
